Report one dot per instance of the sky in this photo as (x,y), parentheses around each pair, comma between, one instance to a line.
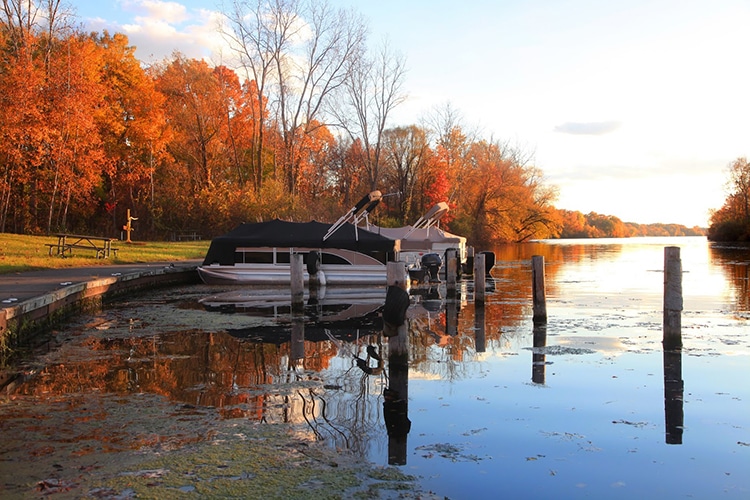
(632,108)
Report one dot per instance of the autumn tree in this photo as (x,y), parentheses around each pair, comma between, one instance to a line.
(298,53)
(258,33)
(133,129)
(732,221)
(74,158)
(319,148)
(21,131)
(501,199)
(407,152)
(48,132)
(372,92)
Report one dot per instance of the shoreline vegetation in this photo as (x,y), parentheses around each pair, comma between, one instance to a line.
(22,253)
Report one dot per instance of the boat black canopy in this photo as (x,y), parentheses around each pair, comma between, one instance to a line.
(284,234)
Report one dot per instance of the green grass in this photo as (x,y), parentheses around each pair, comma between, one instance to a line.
(20,253)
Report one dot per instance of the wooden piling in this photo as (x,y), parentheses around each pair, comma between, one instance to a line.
(396,275)
(538,293)
(395,405)
(451,270)
(479,278)
(298,281)
(672,298)
(469,259)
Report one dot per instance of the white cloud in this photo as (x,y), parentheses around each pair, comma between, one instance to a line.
(157,29)
(172,12)
(588,128)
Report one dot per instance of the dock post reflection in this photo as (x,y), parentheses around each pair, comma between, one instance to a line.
(674,388)
(538,358)
(297,347)
(396,396)
(451,317)
(479,328)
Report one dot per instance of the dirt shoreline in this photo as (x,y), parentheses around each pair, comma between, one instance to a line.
(143,446)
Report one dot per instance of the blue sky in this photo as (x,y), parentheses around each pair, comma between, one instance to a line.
(633,108)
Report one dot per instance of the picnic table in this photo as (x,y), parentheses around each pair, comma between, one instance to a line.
(67,242)
(188,235)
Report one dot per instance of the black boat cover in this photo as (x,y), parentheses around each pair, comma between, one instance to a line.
(284,234)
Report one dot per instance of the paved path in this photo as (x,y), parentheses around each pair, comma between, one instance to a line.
(17,287)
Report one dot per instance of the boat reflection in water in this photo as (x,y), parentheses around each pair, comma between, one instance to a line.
(345,410)
(336,313)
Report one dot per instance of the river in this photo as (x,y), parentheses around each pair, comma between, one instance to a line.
(588,405)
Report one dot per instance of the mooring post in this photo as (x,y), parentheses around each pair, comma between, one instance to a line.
(396,407)
(396,395)
(538,293)
(298,281)
(672,298)
(396,275)
(469,259)
(479,278)
(451,270)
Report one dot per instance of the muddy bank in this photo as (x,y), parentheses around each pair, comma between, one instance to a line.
(143,446)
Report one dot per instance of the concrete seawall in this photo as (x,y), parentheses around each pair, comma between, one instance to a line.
(22,321)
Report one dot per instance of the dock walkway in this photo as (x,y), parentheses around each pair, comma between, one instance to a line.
(29,300)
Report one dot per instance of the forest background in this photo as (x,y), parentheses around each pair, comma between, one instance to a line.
(295,127)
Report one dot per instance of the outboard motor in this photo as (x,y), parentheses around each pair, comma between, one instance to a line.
(431,262)
(489,261)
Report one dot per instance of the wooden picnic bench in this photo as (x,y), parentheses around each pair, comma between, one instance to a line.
(67,242)
(189,235)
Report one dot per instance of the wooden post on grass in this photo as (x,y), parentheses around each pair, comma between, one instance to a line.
(538,292)
(672,298)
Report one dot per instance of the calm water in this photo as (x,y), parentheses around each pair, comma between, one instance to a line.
(589,406)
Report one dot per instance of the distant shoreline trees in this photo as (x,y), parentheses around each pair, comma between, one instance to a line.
(732,221)
(593,225)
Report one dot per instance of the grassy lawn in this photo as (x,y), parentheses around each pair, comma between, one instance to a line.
(26,253)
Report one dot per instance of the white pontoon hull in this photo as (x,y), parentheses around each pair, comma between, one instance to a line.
(279,274)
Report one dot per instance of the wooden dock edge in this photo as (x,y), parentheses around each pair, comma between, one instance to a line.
(21,324)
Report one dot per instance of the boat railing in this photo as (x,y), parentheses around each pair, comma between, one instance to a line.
(356,213)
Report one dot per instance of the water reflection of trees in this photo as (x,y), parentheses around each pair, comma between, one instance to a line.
(734,261)
(240,379)
(193,367)
(345,411)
